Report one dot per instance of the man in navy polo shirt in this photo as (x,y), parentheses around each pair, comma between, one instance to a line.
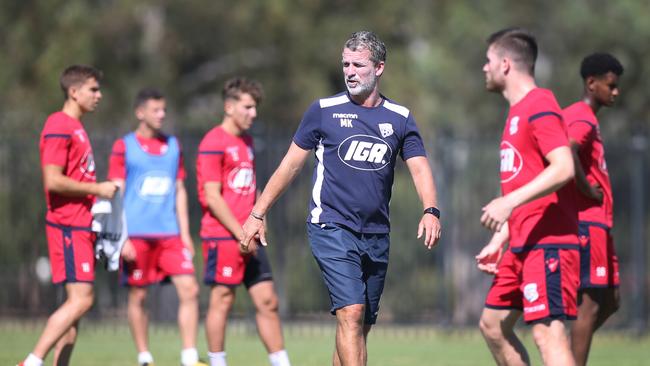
(356,136)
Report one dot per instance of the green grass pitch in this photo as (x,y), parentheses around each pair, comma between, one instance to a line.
(109,343)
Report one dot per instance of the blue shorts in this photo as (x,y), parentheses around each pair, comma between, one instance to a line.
(353,265)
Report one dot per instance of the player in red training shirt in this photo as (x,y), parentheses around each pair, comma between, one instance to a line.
(537,274)
(225,171)
(148,165)
(598,296)
(70,189)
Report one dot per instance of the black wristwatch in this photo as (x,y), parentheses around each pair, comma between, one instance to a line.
(432,210)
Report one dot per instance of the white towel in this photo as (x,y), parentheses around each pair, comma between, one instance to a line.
(109,223)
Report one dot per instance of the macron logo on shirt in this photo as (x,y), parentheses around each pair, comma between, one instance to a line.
(346,118)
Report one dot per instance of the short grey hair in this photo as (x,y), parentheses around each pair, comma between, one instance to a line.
(369,41)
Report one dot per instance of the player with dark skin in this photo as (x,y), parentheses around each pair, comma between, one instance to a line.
(597,302)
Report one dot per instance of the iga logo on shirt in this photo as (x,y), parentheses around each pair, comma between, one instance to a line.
(511,162)
(365,152)
(154,186)
(242,179)
(87,165)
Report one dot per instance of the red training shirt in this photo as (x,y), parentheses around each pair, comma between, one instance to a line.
(583,128)
(533,129)
(64,143)
(230,160)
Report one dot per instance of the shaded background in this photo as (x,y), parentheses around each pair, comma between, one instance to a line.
(435,54)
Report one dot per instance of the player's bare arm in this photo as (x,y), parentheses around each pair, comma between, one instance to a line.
(429,225)
(220,210)
(264,220)
(182,216)
(559,171)
(487,260)
(592,191)
(57,182)
(288,169)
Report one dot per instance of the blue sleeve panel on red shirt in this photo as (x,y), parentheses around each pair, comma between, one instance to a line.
(593,126)
(543,114)
(57,135)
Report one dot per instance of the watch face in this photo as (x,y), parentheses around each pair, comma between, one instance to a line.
(434,211)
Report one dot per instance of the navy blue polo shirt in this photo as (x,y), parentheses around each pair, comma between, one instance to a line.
(356,149)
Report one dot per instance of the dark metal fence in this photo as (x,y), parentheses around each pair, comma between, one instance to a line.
(438,287)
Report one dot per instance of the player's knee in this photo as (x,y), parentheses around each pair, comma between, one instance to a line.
(490,329)
(269,304)
(541,339)
(188,291)
(137,297)
(222,303)
(591,310)
(350,316)
(546,334)
(82,304)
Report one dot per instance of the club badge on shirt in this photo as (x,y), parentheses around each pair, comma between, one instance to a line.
(514,125)
(530,292)
(386,129)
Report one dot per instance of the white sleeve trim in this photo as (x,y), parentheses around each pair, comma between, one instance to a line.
(332,101)
(397,108)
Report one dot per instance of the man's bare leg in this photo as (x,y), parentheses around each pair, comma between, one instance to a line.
(138,318)
(497,327)
(350,336)
(221,301)
(553,343)
(596,306)
(188,308)
(79,300)
(267,317)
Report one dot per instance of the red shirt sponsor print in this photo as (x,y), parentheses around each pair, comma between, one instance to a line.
(229,160)
(584,129)
(533,129)
(64,142)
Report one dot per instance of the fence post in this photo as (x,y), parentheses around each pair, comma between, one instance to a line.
(639,255)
